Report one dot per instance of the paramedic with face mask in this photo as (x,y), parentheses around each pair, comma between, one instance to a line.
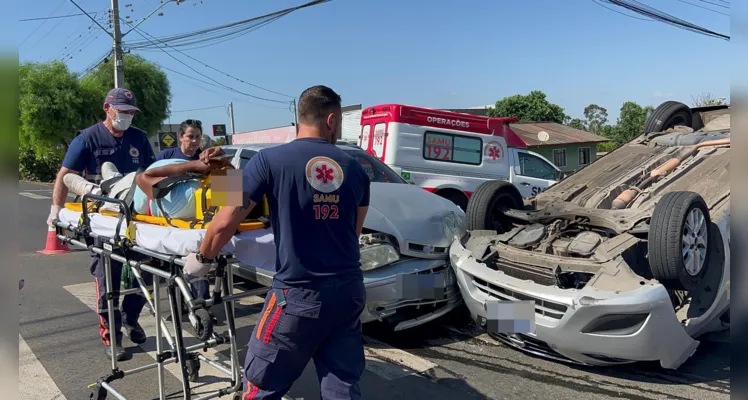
(127,147)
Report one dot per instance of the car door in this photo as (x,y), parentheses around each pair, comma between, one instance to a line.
(535,174)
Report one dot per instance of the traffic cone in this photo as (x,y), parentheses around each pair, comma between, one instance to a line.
(54,245)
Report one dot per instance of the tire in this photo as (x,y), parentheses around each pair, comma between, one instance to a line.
(204,328)
(668,228)
(485,209)
(667,115)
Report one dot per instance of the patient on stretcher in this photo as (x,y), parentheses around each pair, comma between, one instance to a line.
(178,203)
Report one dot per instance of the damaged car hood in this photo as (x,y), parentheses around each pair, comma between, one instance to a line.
(414,216)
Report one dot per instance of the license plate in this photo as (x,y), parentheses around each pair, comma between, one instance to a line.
(510,317)
(421,286)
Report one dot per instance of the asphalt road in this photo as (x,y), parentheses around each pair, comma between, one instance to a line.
(60,353)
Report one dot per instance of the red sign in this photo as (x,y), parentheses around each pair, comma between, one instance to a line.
(443,119)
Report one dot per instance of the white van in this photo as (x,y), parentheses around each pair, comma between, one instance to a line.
(450,153)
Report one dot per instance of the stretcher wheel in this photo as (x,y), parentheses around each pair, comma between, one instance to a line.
(98,394)
(193,369)
(204,325)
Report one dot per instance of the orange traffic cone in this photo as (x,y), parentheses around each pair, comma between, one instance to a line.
(54,245)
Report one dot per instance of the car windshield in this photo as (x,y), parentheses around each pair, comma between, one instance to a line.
(377,170)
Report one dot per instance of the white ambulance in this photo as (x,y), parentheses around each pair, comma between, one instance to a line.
(450,153)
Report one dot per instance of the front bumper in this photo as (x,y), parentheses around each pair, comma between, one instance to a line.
(383,303)
(561,316)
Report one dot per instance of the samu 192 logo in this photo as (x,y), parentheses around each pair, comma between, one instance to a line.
(493,152)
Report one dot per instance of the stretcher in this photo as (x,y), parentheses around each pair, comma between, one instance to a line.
(120,236)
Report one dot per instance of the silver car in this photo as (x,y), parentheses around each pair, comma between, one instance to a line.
(404,246)
(626,260)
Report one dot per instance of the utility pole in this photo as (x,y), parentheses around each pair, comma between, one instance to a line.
(233,130)
(295,118)
(119,65)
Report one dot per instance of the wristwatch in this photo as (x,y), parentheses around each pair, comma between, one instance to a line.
(202,260)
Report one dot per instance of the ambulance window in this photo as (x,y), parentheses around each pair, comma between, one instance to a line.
(535,167)
(452,148)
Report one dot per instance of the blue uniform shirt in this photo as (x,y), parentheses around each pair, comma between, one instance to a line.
(176,153)
(314,190)
(95,145)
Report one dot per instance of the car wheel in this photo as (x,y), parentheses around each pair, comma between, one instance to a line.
(679,240)
(668,115)
(486,207)
(455,196)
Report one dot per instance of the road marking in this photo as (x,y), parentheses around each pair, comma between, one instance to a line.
(86,293)
(391,363)
(34,195)
(34,382)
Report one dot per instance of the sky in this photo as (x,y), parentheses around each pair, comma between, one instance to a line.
(436,53)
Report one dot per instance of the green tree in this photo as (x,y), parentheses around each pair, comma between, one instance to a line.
(221,141)
(578,124)
(631,122)
(706,99)
(145,79)
(596,117)
(529,108)
(52,106)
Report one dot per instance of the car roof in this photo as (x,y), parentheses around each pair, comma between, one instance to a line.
(260,146)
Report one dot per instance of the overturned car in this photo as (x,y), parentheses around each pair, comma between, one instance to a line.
(626,260)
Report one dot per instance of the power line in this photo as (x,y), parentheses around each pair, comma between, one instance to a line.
(92,18)
(199,109)
(140,32)
(622,13)
(714,4)
(702,7)
(228,31)
(55,17)
(658,15)
(42,24)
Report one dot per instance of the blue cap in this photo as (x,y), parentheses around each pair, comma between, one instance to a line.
(121,99)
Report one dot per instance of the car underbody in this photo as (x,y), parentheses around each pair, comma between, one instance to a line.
(626,260)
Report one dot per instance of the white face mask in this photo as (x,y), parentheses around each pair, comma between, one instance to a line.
(122,121)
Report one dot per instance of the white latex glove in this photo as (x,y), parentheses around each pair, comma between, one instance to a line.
(54,212)
(194,269)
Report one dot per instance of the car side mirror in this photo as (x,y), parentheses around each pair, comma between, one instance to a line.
(560,176)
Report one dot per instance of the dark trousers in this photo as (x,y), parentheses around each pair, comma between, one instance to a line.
(320,323)
(132,304)
(200,289)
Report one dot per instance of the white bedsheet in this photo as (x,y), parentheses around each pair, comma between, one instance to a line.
(255,247)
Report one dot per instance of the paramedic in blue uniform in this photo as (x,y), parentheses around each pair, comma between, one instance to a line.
(318,197)
(190,133)
(128,149)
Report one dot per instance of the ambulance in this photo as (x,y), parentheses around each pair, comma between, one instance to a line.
(450,153)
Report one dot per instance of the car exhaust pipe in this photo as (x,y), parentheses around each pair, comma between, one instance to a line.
(628,195)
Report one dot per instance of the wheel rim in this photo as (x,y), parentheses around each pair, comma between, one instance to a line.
(694,241)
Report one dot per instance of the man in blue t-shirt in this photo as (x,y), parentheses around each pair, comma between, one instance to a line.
(126,147)
(318,197)
(190,133)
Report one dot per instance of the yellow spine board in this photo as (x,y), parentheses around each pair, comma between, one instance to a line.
(179,223)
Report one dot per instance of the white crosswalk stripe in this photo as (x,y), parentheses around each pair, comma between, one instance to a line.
(34,196)
(34,382)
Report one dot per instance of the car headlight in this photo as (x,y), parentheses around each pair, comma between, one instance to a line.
(455,225)
(376,256)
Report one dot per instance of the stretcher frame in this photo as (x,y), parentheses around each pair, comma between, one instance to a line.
(168,268)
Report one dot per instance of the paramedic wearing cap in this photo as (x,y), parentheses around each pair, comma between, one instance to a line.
(126,147)
(318,197)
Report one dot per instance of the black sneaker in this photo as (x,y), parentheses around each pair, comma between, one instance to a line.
(119,350)
(135,332)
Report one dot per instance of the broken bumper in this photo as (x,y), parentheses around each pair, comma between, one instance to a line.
(586,326)
(385,300)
